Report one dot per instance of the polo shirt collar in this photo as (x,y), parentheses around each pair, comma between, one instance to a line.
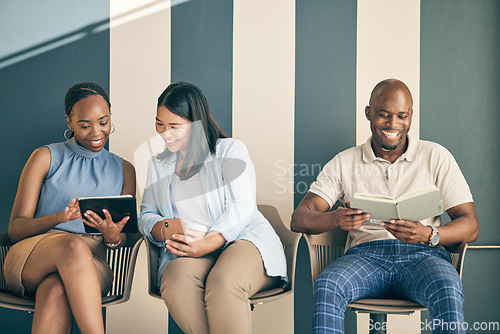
(368,154)
(409,155)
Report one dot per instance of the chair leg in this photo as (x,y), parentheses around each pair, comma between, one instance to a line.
(378,322)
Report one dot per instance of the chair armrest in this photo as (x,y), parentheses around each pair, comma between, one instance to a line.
(289,240)
(324,248)
(153,265)
(5,244)
(122,261)
(458,255)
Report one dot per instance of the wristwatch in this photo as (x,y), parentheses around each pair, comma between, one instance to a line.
(434,237)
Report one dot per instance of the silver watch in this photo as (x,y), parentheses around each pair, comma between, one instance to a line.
(434,237)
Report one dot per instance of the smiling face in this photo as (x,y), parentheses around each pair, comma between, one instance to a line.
(390,113)
(90,120)
(175,130)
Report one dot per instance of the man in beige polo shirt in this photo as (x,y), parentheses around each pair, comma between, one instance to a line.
(399,257)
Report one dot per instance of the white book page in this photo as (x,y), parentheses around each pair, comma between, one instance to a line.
(416,193)
(375,197)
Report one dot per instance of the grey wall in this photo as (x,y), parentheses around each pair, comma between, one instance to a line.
(202,52)
(45,47)
(325,122)
(460,95)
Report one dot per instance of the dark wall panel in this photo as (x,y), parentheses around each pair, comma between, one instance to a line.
(202,52)
(460,85)
(460,81)
(325,112)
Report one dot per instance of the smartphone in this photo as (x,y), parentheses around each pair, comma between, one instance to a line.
(172,226)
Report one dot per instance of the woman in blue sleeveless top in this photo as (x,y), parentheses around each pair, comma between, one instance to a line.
(53,260)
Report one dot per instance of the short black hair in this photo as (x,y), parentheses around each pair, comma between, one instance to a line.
(80,91)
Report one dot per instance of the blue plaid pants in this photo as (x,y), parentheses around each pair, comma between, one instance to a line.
(378,268)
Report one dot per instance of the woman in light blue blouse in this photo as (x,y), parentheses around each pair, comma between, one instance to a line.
(53,260)
(230,251)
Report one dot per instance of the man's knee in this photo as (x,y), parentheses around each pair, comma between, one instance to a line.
(331,288)
(449,292)
(446,284)
(330,281)
(444,296)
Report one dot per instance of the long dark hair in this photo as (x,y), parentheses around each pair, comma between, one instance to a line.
(188,101)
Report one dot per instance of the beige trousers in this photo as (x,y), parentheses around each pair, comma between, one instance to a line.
(210,294)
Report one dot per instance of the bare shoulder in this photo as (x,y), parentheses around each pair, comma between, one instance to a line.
(30,183)
(129,181)
(39,161)
(41,153)
(128,167)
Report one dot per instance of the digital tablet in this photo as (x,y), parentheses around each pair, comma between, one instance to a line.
(118,206)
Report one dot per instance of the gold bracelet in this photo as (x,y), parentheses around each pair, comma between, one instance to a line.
(110,245)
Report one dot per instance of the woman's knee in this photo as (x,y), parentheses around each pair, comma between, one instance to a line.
(177,278)
(74,249)
(218,280)
(51,289)
(221,285)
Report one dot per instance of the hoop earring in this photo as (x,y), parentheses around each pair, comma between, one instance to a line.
(112,128)
(65,132)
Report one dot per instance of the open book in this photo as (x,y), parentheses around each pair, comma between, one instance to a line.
(413,206)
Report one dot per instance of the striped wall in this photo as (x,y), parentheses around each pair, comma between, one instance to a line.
(291,79)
